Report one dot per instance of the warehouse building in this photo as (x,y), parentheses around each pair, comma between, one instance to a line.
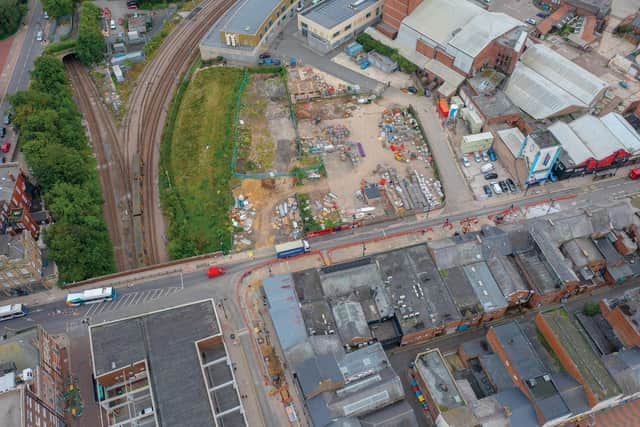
(545,84)
(328,24)
(164,367)
(242,31)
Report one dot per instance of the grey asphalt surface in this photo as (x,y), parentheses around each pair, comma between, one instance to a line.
(31,49)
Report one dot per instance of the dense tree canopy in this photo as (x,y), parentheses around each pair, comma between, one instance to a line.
(90,45)
(60,159)
(11,13)
(57,8)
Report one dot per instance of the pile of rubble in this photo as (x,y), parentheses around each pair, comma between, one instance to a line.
(415,193)
(242,216)
(287,220)
(400,132)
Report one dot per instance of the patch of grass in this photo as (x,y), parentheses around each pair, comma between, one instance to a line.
(195,163)
(547,347)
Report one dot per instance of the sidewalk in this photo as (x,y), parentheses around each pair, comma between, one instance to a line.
(9,57)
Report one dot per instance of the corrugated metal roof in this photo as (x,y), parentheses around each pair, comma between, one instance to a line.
(536,95)
(485,286)
(622,130)
(433,18)
(571,143)
(596,136)
(481,30)
(563,72)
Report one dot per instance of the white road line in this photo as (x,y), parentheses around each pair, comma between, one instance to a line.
(138,298)
(147,297)
(117,304)
(127,298)
(91,310)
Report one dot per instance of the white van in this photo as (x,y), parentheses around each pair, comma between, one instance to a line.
(112,24)
(487,168)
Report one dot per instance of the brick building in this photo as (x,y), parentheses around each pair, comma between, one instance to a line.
(578,358)
(16,194)
(33,378)
(20,262)
(465,41)
(622,314)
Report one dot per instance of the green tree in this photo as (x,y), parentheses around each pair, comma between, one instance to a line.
(90,45)
(48,75)
(11,13)
(73,202)
(54,163)
(56,8)
(591,309)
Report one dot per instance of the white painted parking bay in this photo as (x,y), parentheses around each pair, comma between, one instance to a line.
(132,298)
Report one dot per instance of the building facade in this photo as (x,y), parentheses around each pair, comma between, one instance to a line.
(20,261)
(331,23)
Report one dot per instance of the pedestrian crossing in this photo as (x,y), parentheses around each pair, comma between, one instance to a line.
(128,299)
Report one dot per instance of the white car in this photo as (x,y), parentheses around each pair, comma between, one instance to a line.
(39,36)
(496,188)
(112,24)
(531,21)
(45,15)
(465,161)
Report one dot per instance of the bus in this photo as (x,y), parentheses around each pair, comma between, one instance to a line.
(91,296)
(8,312)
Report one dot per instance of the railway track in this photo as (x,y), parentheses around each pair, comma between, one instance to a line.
(104,138)
(146,113)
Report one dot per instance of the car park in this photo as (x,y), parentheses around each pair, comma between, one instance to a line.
(511,185)
(492,154)
(487,190)
(496,188)
(491,175)
(504,187)
(477,157)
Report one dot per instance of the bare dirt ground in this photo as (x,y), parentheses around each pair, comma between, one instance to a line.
(264,201)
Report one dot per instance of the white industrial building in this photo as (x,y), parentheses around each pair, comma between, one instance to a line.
(545,84)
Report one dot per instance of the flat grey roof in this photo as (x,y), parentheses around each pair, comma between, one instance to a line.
(495,105)
(506,274)
(246,16)
(166,339)
(462,292)
(8,174)
(485,286)
(519,350)
(343,281)
(284,310)
(415,282)
(441,385)
(330,13)
(608,251)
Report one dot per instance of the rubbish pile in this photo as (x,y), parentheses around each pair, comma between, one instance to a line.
(399,131)
(319,213)
(287,220)
(242,216)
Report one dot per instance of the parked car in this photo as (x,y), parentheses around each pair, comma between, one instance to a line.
(264,55)
(477,157)
(412,89)
(491,175)
(486,168)
(7,118)
(487,190)
(512,185)
(542,15)
(6,147)
(427,93)
(531,21)
(496,188)
(299,7)
(112,24)
(269,61)
(492,154)
(45,15)
(3,132)
(39,36)
(504,187)
(465,161)
(132,4)
(634,174)
(365,65)
(485,156)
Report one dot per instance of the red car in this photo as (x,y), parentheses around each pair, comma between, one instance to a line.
(215,271)
(5,147)
(634,173)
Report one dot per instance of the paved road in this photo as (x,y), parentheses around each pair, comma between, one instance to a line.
(31,49)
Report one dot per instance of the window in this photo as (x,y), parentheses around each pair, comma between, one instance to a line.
(369,15)
(547,158)
(270,22)
(347,28)
(283,8)
(377,11)
(336,34)
(304,25)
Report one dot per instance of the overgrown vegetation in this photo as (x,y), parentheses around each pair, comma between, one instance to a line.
(195,163)
(90,45)
(57,8)
(591,309)
(58,154)
(369,44)
(57,47)
(11,13)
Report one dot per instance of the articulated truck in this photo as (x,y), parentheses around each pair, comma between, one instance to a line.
(297,247)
